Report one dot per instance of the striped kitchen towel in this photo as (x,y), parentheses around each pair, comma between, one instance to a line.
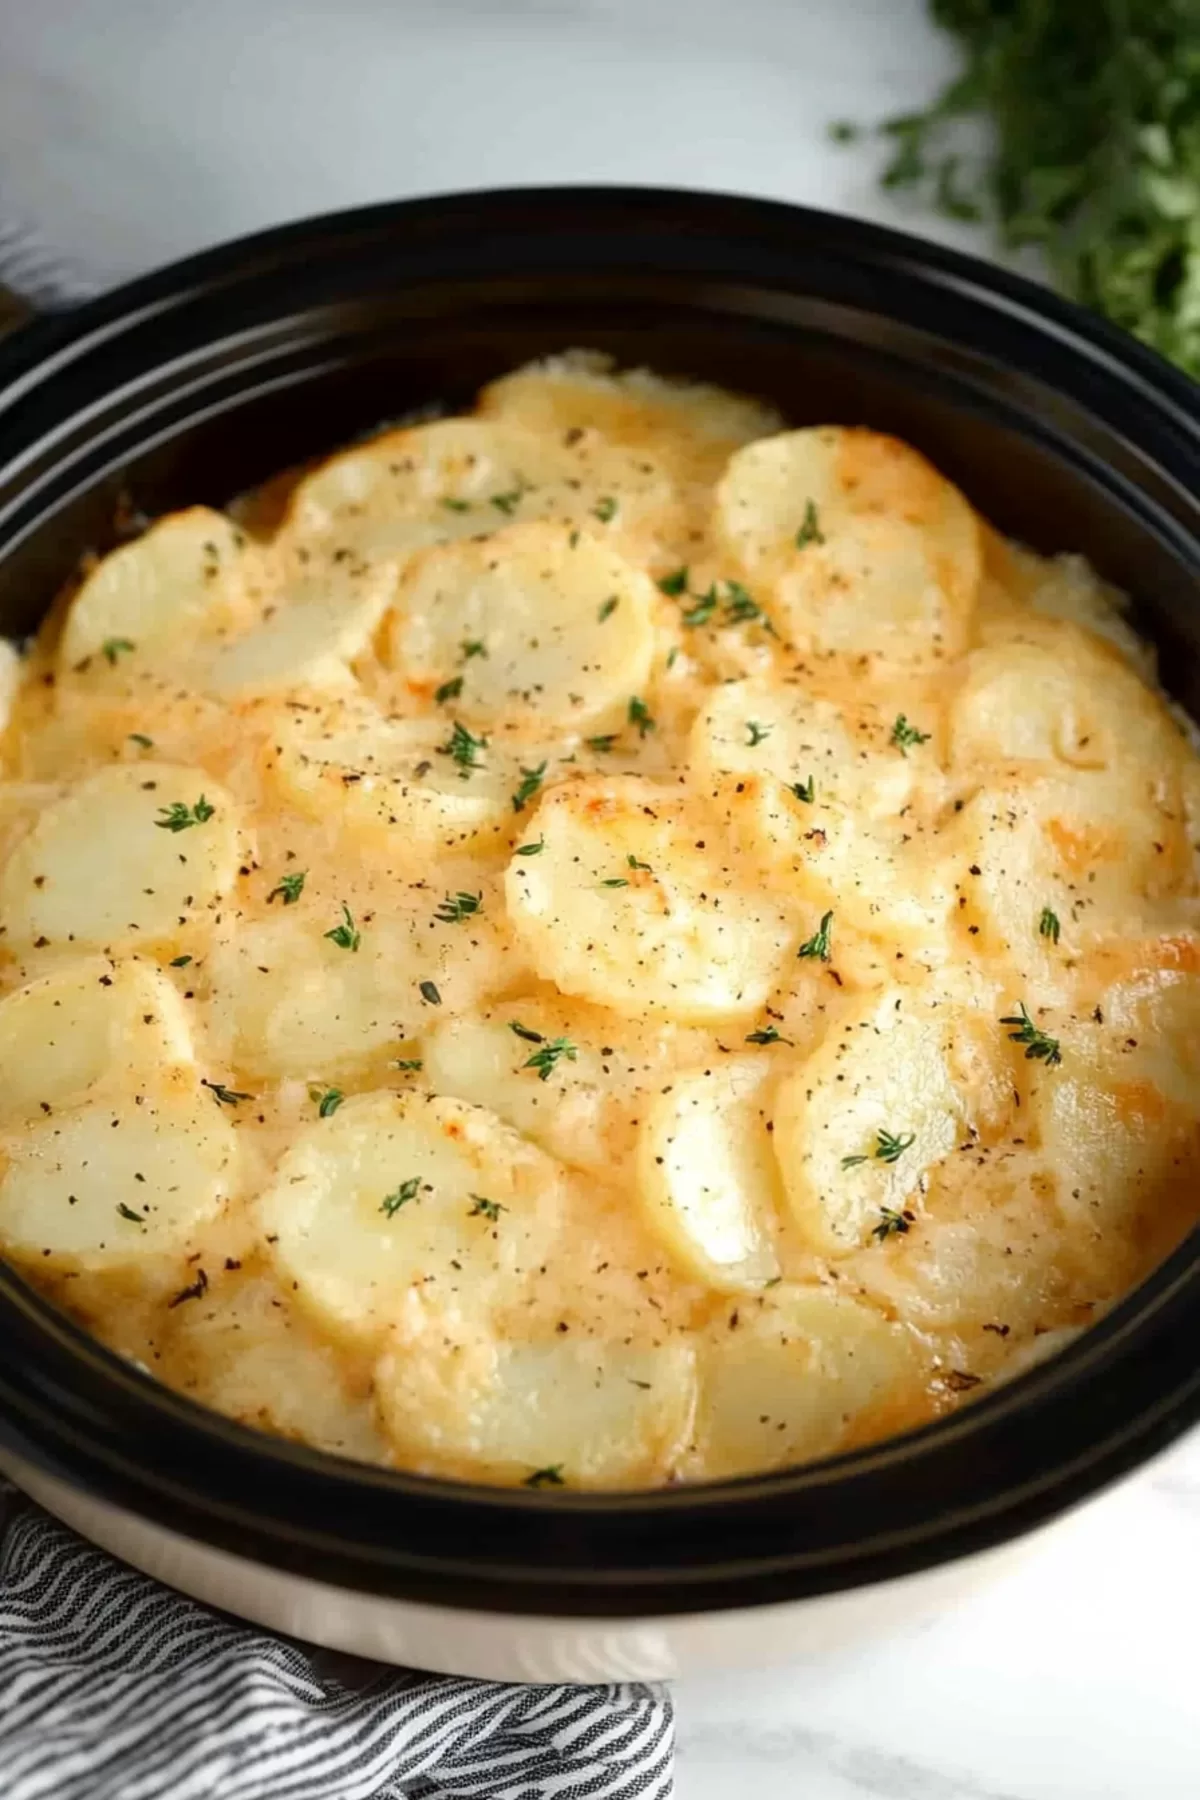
(115,1688)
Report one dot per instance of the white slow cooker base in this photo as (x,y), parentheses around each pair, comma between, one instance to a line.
(509,1647)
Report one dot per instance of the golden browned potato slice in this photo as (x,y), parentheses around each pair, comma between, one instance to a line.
(465,478)
(423,783)
(423,484)
(90,1022)
(150,599)
(583,1107)
(832,753)
(289,1001)
(866,548)
(239,1348)
(194,603)
(862,1121)
(561,625)
(306,634)
(797,1374)
(458,1399)
(118,1181)
(1047,691)
(882,887)
(381,1201)
(1087,1188)
(1046,863)
(986,1265)
(633,903)
(132,855)
(689,426)
(1117,1120)
(706,1175)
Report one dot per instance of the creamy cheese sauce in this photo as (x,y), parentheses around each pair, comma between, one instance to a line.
(597,943)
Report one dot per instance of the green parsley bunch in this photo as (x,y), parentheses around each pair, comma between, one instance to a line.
(1093,155)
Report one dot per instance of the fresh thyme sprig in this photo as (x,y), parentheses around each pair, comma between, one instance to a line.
(1039,1045)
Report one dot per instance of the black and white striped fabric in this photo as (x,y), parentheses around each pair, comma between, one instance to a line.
(115,1688)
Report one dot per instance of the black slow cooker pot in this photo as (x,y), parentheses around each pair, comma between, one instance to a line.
(200,381)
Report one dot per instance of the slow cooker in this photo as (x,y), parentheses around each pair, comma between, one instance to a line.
(198,382)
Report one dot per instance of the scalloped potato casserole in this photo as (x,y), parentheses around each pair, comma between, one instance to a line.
(608,942)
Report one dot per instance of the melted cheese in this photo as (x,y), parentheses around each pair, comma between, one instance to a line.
(624,944)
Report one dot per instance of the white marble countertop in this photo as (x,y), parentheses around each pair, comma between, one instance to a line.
(1074,1677)
(135,130)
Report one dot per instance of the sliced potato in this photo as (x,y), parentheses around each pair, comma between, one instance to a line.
(456,1399)
(482,1060)
(466,478)
(239,1348)
(85,728)
(1117,1122)
(835,754)
(90,1022)
(1060,1214)
(861,1122)
(683,423)
(380,1202)
(1019,703)
(307,633)
(986,1266)
(423,484)
(888,885)
(800,1373)
(885,883)
(1104,1138)
(192,601)
(870,551)
(565,626)
(629,905)
(155,594)
(289,1002)
(117,1181)
(706,1175)
(104,866)
(619,495)
(1046,691)
(350,764)
(1091,847)
(1150,1015)
(587,1111)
